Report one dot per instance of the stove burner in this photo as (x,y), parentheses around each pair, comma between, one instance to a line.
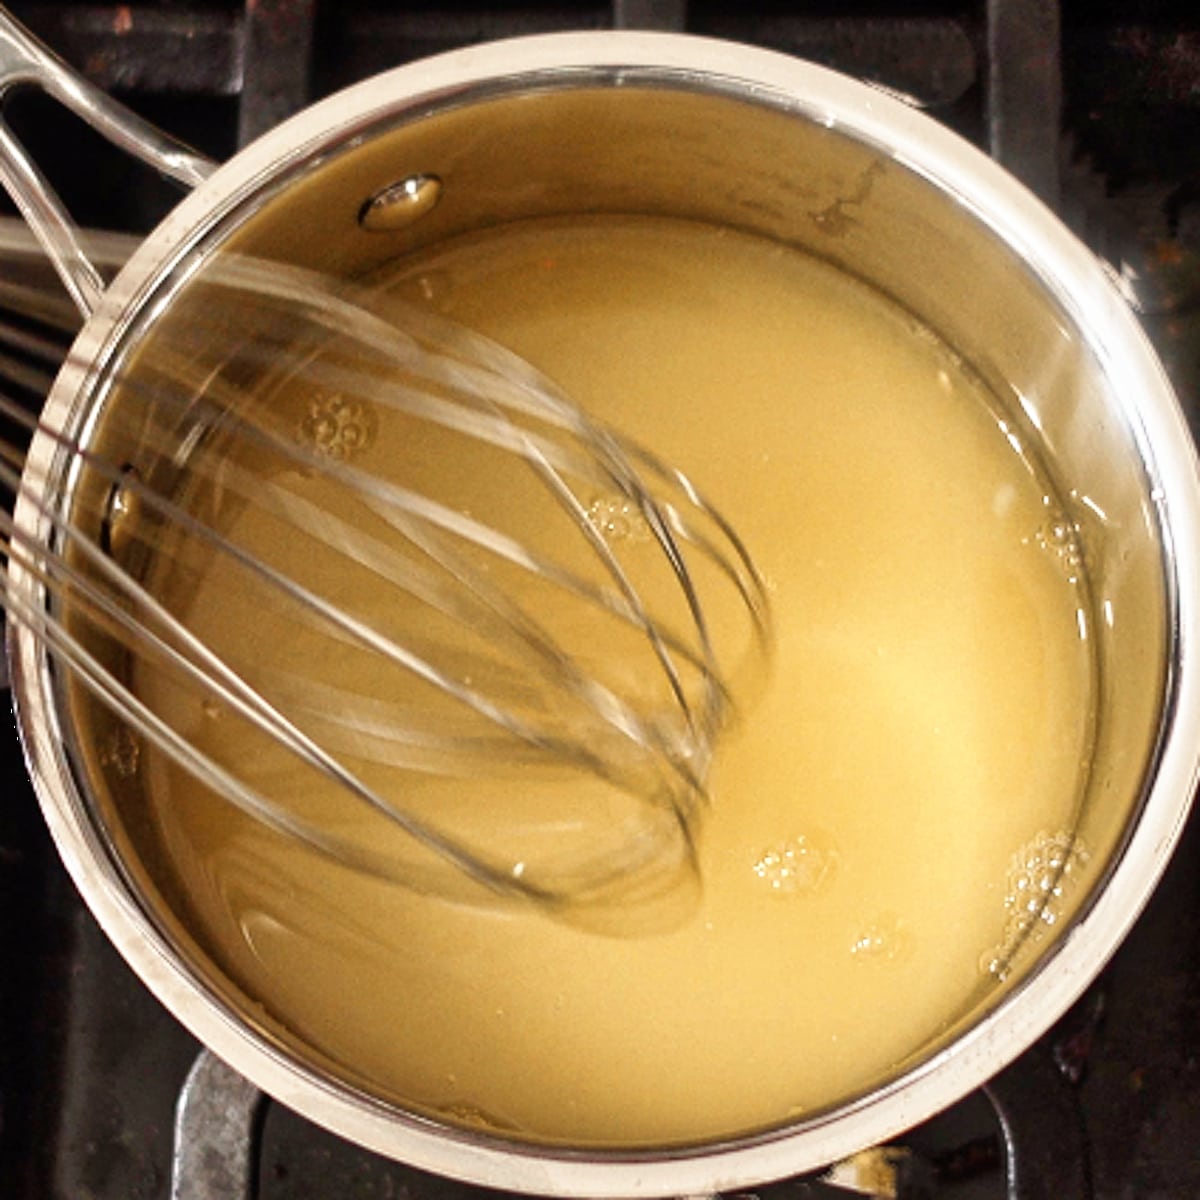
(1097,107)
(987,1150)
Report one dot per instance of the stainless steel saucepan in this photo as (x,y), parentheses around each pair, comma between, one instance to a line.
(714,132)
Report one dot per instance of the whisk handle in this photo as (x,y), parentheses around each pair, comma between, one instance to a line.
(24,61)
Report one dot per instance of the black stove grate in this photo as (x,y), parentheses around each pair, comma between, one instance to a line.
(1096,105)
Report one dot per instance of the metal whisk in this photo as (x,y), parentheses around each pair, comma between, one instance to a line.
(343,561)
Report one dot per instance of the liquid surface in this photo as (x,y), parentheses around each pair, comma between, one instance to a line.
(920,727)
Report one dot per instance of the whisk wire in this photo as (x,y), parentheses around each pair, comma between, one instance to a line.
(63,582)
(497,429)
(456,382)
(403,505)
(306,599)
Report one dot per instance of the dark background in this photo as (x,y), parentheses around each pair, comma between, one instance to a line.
(1095,104)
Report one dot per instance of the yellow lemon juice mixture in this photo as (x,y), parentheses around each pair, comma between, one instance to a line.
(923,717)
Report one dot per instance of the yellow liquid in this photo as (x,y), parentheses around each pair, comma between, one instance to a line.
(924,717)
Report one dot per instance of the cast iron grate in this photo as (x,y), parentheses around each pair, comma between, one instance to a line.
(1095,103)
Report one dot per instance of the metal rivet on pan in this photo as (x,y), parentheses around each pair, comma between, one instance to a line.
(400,203)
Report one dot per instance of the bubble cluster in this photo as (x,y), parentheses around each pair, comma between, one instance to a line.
(886,939)
(121,753)
(1041,876)
(1058,536)
(618,519)
(337,427)
(798,865)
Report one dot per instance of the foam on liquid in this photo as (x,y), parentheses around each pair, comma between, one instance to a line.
(925,716)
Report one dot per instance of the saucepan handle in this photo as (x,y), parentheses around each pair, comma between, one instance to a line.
(24,61)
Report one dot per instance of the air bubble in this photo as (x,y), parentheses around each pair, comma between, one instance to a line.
(121,753)
(1041,877)
(1058,536)
(339,428)
(618,519)
(799,865)
(886,939)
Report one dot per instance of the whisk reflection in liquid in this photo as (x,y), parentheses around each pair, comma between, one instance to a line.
(456,643)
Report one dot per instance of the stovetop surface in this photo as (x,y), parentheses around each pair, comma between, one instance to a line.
(1108,129)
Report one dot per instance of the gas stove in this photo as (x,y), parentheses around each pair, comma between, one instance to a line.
(1096,106)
